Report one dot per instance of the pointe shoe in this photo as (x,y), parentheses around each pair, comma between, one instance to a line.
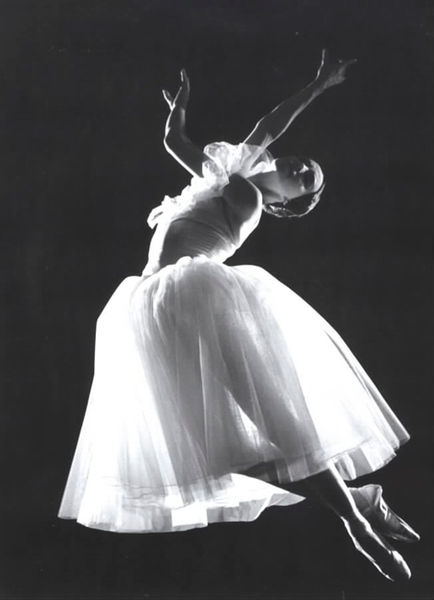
(370,502)
(379,552)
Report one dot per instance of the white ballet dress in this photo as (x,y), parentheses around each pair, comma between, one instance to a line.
(215,384)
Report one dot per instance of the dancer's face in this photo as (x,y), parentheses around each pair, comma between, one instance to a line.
(293,177)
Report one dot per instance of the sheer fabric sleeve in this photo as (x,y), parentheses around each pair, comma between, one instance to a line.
(226,159)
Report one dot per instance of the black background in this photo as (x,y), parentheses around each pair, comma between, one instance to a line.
(82,164)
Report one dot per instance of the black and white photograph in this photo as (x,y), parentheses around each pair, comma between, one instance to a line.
(217,326)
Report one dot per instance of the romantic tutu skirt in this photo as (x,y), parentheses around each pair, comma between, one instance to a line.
(212,386)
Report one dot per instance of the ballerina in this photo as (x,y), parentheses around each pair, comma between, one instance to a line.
(217,390)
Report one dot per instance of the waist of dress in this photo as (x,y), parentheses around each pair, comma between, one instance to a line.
(154,268)
(172,258)
(186,237)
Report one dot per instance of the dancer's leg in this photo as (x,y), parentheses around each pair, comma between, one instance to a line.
(326,487)
(329,489)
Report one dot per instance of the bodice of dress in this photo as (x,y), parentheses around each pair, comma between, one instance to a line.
(200,221)
(207,229)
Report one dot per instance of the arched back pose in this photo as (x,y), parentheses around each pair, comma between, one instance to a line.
(218,391)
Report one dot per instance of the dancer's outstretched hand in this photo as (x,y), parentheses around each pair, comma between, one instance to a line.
(182,95)
(332,72)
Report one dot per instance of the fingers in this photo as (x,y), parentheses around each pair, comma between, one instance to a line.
(182,94)
(185,81)
(168,97)
(325,58)
(347,63)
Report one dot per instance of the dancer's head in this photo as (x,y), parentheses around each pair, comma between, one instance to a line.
(293,188)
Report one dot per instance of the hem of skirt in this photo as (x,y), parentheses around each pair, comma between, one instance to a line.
(113,529)
(246,511)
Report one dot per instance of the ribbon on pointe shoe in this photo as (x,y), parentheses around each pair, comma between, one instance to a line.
(370,502)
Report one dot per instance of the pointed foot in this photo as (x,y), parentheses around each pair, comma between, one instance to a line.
(379,552)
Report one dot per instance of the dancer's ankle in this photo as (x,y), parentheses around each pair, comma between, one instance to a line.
(357,523)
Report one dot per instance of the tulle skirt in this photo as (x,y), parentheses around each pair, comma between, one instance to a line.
(212,386)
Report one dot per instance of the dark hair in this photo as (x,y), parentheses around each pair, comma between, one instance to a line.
(295,207)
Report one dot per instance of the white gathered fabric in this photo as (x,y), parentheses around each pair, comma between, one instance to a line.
(213,385)
(223,160)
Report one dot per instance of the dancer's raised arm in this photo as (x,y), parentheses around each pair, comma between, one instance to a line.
(275,123)
(176,141)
